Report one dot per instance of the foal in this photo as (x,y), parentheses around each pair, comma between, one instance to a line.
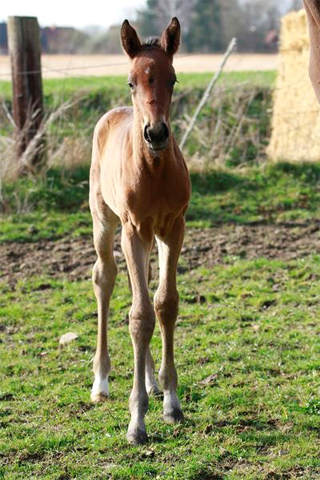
(313,15)
(138,176)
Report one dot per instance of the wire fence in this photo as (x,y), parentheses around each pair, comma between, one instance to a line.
(228,132)
(64,70)
(238,64)
(212,63)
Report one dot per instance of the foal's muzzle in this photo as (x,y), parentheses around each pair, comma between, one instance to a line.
(156,135)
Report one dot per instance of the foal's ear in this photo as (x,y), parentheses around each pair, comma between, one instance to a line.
(170,39)
(129,39)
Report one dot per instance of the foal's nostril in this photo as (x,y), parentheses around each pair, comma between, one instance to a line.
(158,133)
(165,131)
(146,133)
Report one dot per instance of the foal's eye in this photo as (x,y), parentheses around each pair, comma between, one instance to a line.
(172,82)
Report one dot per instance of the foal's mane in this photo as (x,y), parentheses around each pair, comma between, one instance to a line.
(151,42)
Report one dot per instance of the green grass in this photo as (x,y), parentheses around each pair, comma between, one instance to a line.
(118,85)
(275,194)
(239,98)
(247,337)
(250,325)
(257,418)
(279,193)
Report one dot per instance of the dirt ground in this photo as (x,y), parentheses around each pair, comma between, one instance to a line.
(63,66)
(73,258)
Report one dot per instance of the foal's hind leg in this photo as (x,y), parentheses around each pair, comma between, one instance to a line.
(103,277)
(151,383)
(166,302)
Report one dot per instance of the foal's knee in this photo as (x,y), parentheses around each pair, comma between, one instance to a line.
(166,306)
(141,322)
(104,275)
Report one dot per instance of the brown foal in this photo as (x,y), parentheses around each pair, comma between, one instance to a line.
(312,8)
(138,177)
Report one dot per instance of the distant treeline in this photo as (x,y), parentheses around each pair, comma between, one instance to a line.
(207,26)
(53,39)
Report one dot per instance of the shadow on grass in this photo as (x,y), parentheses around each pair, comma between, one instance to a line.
(279,192)
(253,196)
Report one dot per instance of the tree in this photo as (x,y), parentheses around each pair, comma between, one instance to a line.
(295,5)
(209,25)
(205,33)
(260,17)
(147,19)
(158,13)
(183,9)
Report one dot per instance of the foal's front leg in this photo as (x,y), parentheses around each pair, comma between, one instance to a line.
(136,246)
(103,278)
(166,302)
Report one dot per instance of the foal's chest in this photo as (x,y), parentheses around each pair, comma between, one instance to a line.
(157,197)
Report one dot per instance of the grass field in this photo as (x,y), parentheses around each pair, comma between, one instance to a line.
(67,87)
(247,337)
(233,128)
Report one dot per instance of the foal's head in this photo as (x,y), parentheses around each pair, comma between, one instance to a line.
(151,80)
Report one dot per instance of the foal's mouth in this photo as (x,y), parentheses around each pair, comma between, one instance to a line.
(156,147)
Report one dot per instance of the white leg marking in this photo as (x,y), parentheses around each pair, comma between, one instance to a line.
(100,388)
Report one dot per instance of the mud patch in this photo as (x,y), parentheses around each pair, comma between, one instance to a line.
(73,258)
(227,243)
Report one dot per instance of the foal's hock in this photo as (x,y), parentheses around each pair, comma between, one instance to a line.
(138,177)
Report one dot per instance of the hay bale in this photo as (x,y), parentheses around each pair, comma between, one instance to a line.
(296,112)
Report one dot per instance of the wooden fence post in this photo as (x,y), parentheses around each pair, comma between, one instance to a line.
(25,53)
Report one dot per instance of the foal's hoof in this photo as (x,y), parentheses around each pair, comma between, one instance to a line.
(98,398)
(137,437)
(174,415)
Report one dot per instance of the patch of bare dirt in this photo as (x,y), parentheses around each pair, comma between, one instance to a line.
(73,258)
(216,245)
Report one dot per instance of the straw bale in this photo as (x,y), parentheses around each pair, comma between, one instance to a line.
(296,112)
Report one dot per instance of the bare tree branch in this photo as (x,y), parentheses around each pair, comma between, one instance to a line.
(183,9)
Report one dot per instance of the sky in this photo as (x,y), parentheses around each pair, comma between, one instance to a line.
(69,13)
(78,14)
